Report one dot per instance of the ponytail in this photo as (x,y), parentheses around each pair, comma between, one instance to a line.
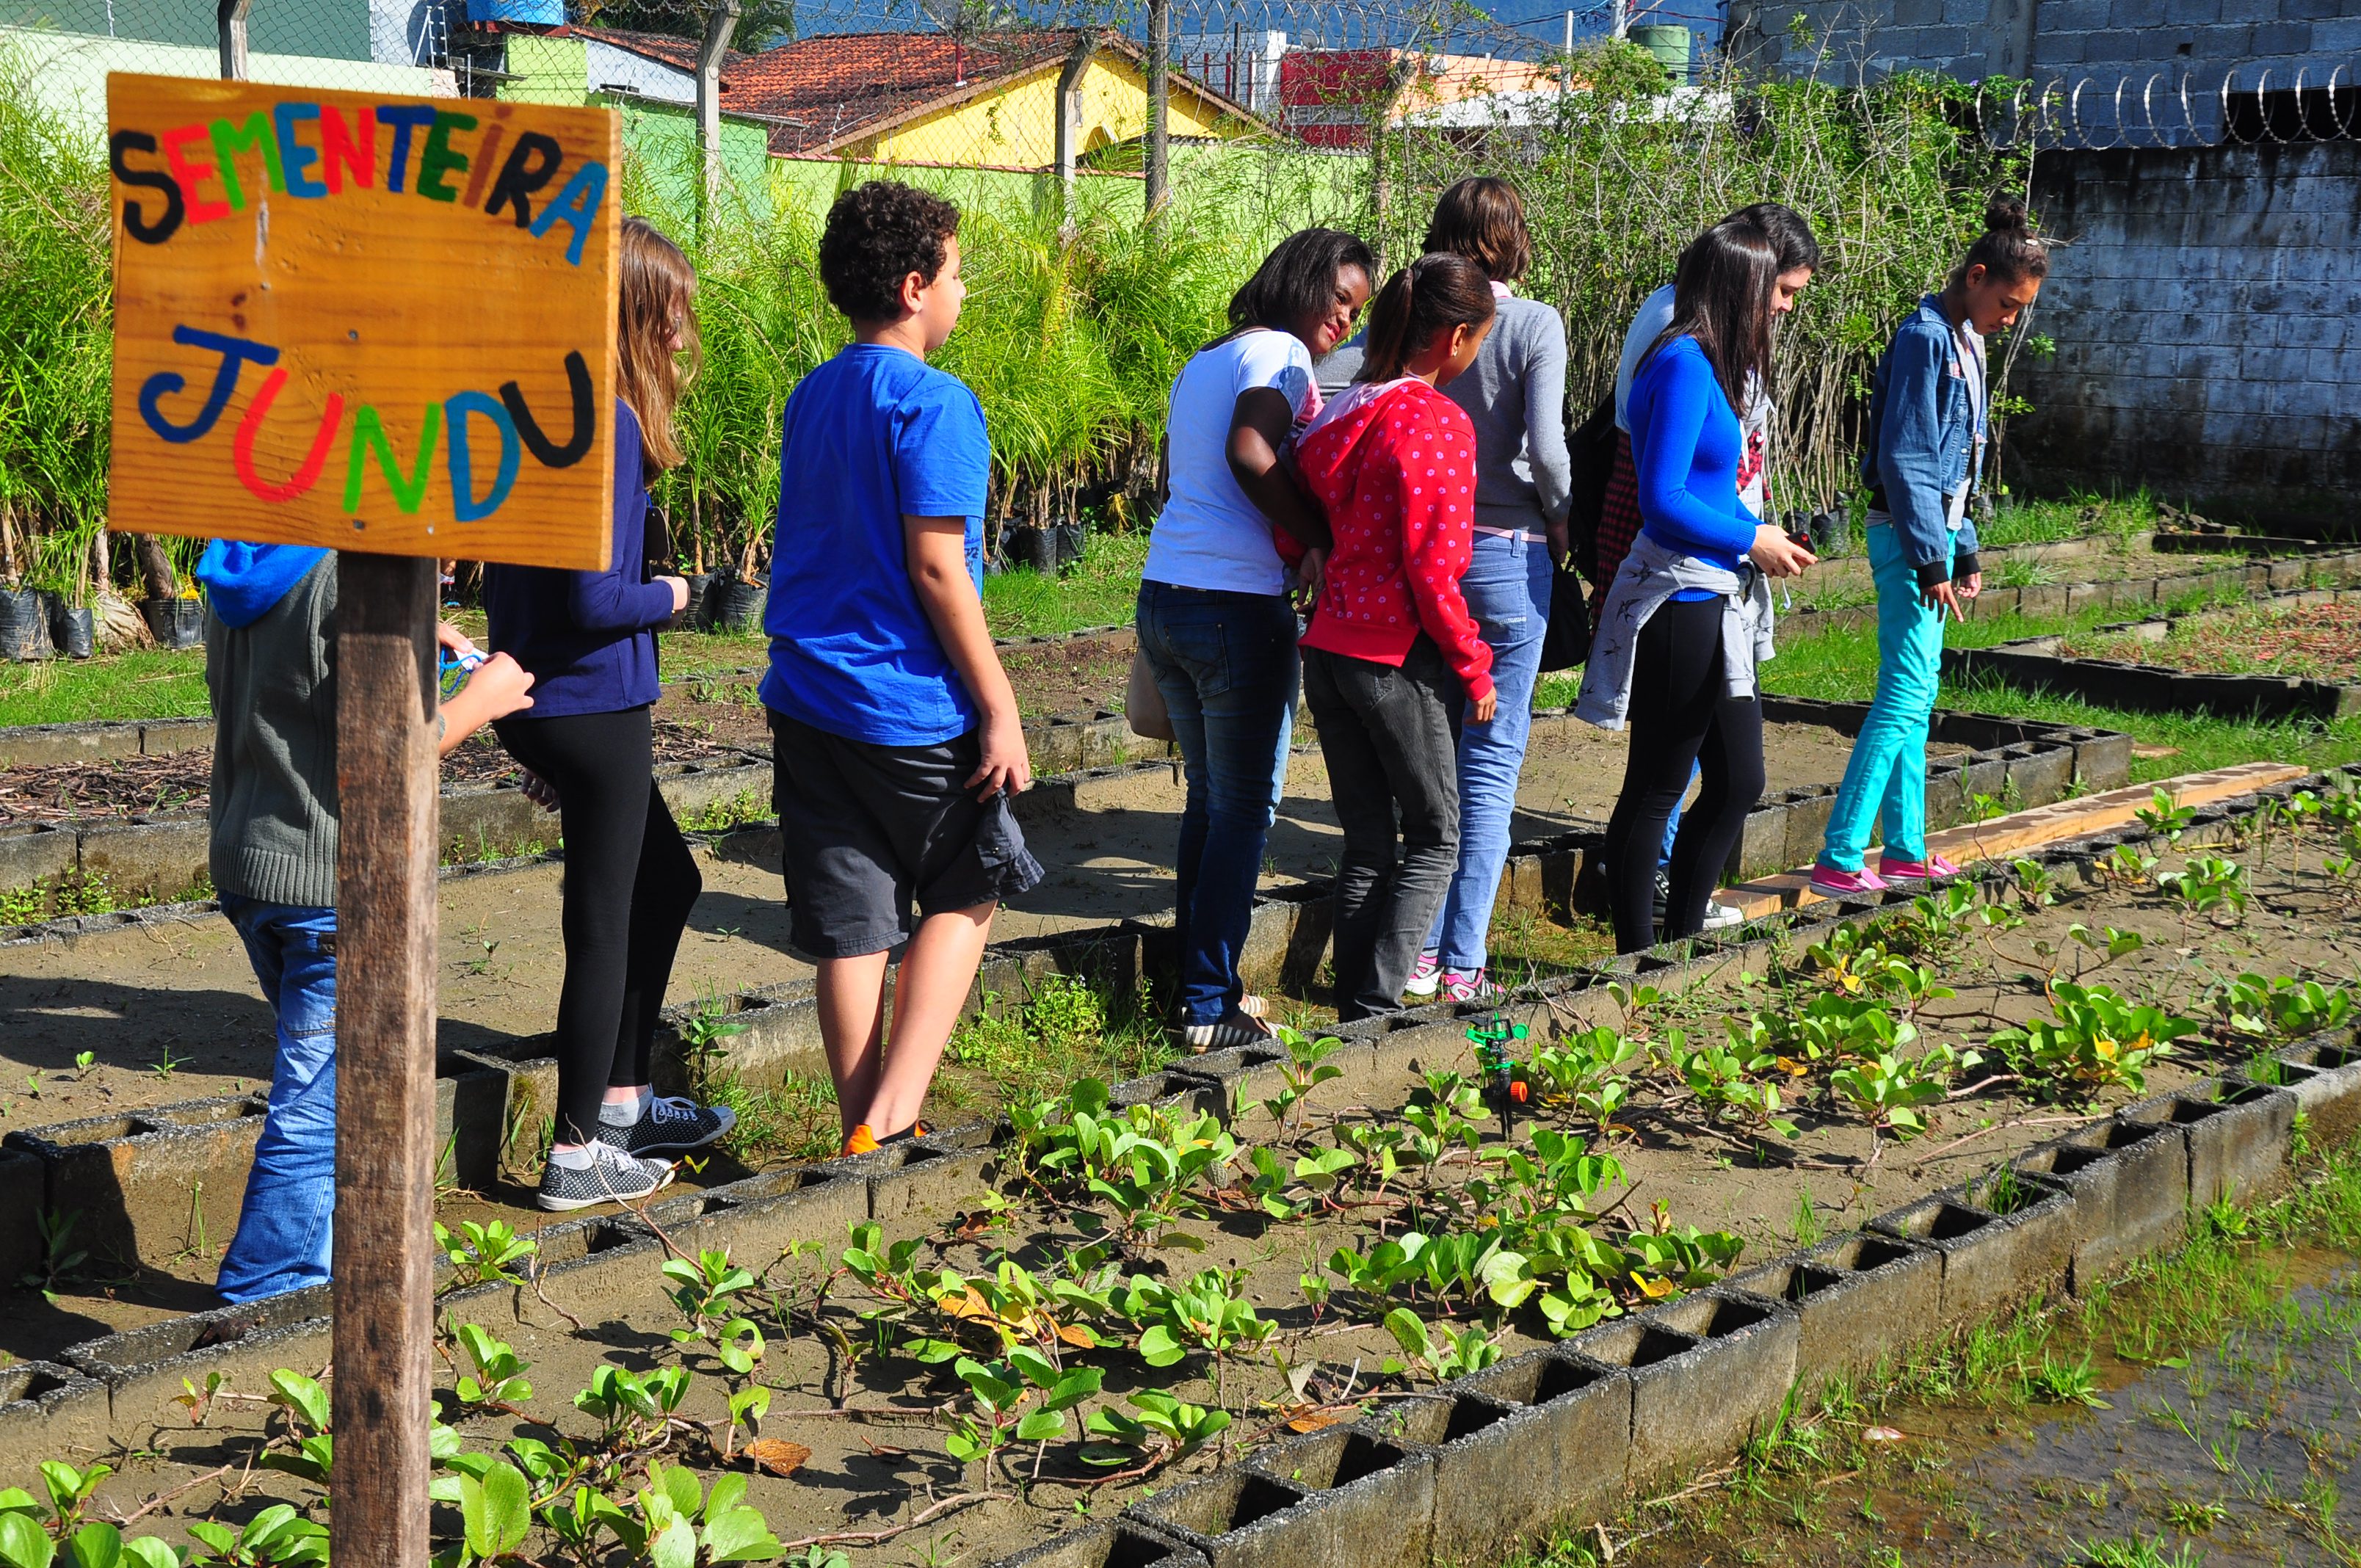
(1433,294)
(2009,250)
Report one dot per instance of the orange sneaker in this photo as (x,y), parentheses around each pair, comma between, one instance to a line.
(862,1141)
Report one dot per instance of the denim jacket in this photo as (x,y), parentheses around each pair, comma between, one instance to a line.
(1922,432)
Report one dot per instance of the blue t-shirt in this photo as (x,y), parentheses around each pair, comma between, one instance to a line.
(872,436)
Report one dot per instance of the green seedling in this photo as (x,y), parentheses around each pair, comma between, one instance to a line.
(2097,1040)
(1592,1071)
(635,1410)
(495,1379)
(2164,817)
(1166,1429)
(1306,1068)
(1445,1356)
(483,1253)
(2283,1007)
(278,1537)
(84,1062)
(1208,1314)
(1889,1091)
(304,1404)
(703,1291)
(2206,884)
(680,1525)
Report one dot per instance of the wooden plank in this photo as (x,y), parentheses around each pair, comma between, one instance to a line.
(364,321)
(2024,832)
(383,1263)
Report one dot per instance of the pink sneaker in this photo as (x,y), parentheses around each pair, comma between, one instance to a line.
(1928,869)
(1424,976)
(1476,987)
(1831,882)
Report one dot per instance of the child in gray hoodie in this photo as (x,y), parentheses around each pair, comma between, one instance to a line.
(270,670)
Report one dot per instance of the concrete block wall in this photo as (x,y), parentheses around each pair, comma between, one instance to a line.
(2044,39)
(2205,309)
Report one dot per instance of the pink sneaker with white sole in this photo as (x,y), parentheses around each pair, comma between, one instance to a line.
(1831,882)
(1928,869)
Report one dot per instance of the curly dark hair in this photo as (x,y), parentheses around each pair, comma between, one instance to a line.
(877,235)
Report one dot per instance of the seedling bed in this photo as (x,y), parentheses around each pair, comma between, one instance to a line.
(1171,1217)
(2294,655)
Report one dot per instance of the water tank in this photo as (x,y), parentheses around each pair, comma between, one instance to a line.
(535,13)
(1670,45)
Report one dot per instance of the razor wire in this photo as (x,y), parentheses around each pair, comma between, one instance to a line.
(2247,105)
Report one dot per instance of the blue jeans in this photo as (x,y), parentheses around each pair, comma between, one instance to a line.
(1226,664)
(1672,823)
(284,1227)
(1886,776)
(1507,591)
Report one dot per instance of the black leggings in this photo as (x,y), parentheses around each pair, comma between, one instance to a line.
(629,881)
(1680,717)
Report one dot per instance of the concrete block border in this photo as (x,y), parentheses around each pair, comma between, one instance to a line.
(2041,664)
(1547,1440)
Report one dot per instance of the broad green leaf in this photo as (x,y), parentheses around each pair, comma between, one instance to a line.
(675,1546)
(1041,1427)
(23,1543)
(301,1395)
(150,1552)
(1159,1348)
(1408,1331)
(97,1546)
(739,1535)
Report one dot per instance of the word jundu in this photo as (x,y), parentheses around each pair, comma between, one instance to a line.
(210,169)
(511,418)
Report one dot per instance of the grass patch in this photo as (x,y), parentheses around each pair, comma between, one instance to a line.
(796,1121)
(1100,589)
(154,684)
(1840,665)
(1062,1030)
(71,894)
(2078,516)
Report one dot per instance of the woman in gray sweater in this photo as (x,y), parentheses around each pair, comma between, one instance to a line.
(1515,394)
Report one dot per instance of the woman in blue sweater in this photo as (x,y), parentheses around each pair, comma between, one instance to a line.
(588,638)
(1688,615)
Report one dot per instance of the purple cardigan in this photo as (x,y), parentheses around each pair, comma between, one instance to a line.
(587,637)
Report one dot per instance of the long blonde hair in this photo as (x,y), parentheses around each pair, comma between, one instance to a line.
(656,282)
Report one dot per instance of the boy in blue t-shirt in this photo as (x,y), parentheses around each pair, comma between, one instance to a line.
(895,738)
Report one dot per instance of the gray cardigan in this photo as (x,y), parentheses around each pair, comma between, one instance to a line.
(274,784)
(1515,394)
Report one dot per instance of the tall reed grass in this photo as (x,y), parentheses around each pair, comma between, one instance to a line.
(56,321)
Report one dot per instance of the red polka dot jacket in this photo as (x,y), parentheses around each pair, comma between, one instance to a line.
(1397,475)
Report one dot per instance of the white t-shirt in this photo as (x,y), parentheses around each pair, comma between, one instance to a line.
(1209,534)
(1754,424)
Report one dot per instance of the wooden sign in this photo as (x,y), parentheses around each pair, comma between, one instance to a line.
(375,324)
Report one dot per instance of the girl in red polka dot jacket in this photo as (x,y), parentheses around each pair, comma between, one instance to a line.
(1391,645)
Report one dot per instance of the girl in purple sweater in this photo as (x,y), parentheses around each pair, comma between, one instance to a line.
(588,638)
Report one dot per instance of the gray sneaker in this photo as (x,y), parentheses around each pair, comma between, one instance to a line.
(610,1176)
(672,1125)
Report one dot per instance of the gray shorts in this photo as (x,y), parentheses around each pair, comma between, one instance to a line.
(866,831)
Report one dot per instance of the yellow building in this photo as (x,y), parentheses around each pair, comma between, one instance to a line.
(990,101)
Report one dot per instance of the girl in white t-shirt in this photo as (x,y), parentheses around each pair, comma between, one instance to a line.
(1215,624)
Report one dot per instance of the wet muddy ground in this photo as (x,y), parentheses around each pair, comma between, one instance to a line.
(2238,1454)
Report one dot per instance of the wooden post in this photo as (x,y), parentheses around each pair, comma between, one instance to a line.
(1160,104)
(386,916)
(720,22)
(230,22)
(1070,125)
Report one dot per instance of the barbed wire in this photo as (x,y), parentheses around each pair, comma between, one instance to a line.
(2249,105)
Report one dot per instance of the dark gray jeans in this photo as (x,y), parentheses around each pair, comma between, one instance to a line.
(1390,746)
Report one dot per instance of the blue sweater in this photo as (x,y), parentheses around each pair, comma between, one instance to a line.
(1685,445)
(585,636)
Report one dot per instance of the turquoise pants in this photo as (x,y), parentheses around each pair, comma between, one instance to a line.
(1887,777)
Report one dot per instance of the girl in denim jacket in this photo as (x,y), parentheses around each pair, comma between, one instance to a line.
(1928,413)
